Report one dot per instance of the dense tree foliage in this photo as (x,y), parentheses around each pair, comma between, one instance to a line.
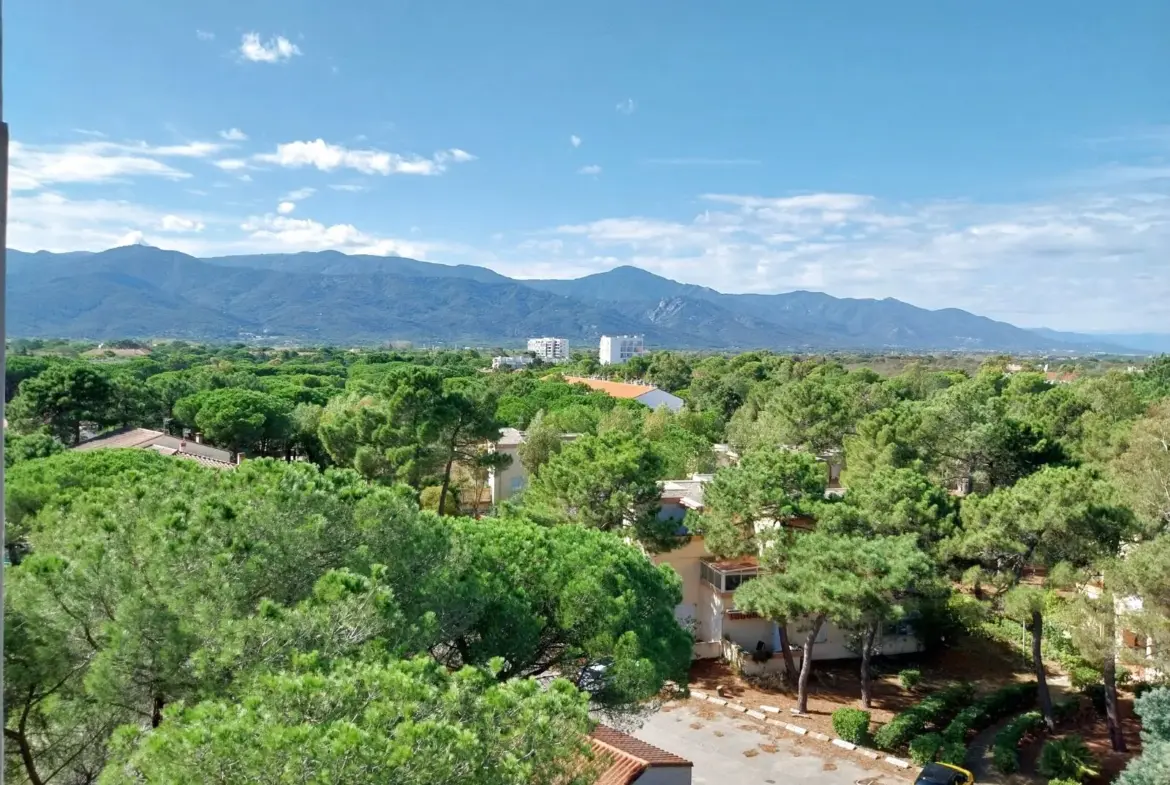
(136,596)
(159,611)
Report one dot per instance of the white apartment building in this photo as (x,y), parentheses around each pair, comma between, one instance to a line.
(517,361)
(551,350)
(616,349)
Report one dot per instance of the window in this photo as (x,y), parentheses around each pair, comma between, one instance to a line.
(517,484)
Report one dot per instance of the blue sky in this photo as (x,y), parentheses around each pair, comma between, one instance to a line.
(1008,158)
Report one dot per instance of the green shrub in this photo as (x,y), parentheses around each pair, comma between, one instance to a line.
(910,678)
(1005,759)
(852,725)
(1140,688)
(934,710)
(1063,782)
(1068,758)
(1096,693)
(1083,676)
(1008,700)
(1068,708)
(953,752)
(924,748)
(1154,709)
(963,722)
(1005,751)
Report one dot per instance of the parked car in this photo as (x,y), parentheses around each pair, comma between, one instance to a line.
(944,774)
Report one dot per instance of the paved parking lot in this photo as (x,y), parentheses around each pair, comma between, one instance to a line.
(728,750)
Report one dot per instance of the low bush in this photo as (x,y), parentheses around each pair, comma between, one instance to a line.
(1082,677)
(963,722)
(910,678)
(934,710)
(1140,688)
(1068,759)
(924,748)
(1005,751)
(852,725)
(953,752)
(1096,693)
(1063,782)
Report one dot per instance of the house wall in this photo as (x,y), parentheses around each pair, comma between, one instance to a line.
(666,775)
(655,398)
(506,483)
(685,561)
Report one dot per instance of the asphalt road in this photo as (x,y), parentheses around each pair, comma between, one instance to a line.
(727,750)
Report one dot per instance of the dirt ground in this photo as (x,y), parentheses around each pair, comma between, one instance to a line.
(835,685)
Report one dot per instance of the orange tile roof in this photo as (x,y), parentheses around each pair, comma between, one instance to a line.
(613,741)
(615,389)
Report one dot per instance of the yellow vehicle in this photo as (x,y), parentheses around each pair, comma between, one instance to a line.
(944,774)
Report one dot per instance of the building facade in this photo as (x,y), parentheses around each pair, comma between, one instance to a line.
(550,350)
(514,361)
(617,349)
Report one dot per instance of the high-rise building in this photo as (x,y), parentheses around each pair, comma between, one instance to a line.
(551,350)
(617,349)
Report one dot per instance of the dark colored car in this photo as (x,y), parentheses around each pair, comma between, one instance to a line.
(944,774)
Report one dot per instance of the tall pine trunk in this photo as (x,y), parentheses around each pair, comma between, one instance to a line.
(867,640)
(806,666)
(1041,679)
(786,649)
(1112,713)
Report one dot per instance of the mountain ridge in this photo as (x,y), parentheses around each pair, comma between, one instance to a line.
(328,296)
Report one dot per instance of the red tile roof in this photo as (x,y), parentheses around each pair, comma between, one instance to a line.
(615,389)
(605,737)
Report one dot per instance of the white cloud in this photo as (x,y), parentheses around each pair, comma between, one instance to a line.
(575,140)
(50,221)
(327,157)
(89,132)
(231,164)
(1072,261)
(131,238)
(299,194)
(627,106)
(590,169)
(274,51)
(204,35)
(34,167)
(350,187)
(304,234)
(177,223)
(234,135)
(284,208)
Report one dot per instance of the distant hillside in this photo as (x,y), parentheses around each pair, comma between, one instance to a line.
(329,297)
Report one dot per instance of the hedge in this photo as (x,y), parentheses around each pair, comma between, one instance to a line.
(989,709)
(1005,750)
(924,749)
(933,710)
(852,725)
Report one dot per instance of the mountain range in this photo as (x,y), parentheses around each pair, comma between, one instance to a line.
(330,297)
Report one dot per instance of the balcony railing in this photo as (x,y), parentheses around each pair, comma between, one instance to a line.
(728,576)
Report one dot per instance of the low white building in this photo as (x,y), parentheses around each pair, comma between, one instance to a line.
(708,609)
(550,350)
(512,361)
(513,478)
(617,349)
(645,394)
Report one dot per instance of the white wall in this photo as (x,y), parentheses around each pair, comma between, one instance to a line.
(503,482)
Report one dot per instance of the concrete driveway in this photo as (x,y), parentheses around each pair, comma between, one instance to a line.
(729,750)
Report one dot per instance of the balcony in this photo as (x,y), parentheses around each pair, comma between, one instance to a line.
(727,576)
